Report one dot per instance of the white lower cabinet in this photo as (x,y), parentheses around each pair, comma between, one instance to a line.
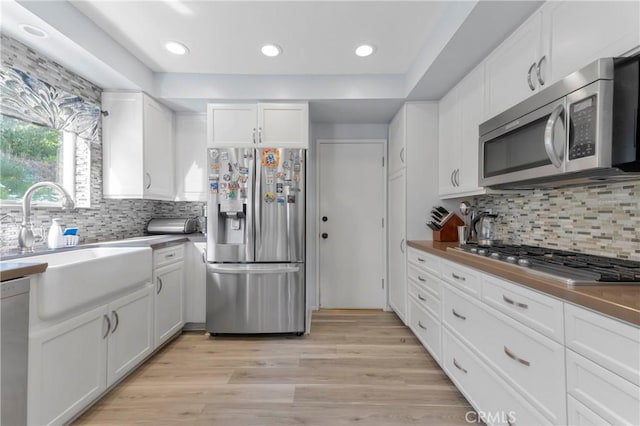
(579,414)
(195,277)
(495,402)
(169,292)
(130,334)
(426,327)
(74,362)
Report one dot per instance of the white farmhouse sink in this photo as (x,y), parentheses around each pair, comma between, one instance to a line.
(84,277)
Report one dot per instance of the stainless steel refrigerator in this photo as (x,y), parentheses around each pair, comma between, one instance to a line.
(255,241)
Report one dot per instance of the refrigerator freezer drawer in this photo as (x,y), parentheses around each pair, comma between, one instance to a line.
(255,298)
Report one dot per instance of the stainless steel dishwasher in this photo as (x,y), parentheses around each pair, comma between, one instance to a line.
(14,346)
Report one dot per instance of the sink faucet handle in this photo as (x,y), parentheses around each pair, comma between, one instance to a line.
(38,234)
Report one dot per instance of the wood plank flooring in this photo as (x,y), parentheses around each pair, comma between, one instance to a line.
(356,367)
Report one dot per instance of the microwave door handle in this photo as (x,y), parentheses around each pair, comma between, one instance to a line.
(548,136)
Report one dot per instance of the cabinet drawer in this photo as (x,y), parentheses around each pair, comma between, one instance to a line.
(580,415)
(168,255)
(542,313)
(426,299)
(463,278)
(606,394)
(608,342)
(425,327)
(424,279)
(426,261)
(529,361)
(491,396)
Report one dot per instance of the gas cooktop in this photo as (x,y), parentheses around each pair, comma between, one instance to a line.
(568,267)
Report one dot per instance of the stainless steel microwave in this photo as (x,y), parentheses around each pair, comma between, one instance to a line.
(583,127)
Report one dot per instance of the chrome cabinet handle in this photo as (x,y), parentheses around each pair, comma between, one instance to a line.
(254,135)
(458,277)
(539,71)
(421,260)
(531,85)
(421,279)
(259,134)
(402,246)
(204,255)
(515,358)
(148,175)
(106,317)
(457,315)
(511,302)
(457,177)
(116,319)
(169,256)
(451,178)
(556,159)
(160,285)
(421,326)
(455,363)
(402,155)
(421,298)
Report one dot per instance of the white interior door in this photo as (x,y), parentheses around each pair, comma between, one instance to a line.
(351,241)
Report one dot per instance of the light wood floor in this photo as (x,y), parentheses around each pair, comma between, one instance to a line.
(356,367)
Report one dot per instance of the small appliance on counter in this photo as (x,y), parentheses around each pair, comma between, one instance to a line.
(444,224)
(173,225)
(484,229)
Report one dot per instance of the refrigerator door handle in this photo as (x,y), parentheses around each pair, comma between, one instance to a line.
(257,199)
(252,269)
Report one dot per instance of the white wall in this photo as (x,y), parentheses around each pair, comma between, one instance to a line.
(327,131)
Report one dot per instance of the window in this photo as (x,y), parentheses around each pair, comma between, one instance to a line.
(31,153)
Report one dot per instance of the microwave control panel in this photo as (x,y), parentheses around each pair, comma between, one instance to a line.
(582,137)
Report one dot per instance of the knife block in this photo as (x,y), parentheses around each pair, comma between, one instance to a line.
(449,230)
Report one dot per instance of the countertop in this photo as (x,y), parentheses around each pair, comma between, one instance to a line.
(618,301)
(19,265)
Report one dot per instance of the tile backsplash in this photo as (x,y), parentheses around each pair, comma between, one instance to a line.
(104,219)
(602,219)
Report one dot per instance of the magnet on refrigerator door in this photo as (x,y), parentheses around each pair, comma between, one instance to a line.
(270,157)
(269,197)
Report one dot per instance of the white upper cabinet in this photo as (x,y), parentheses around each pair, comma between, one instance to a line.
(258,125)
(558,39)
(578,33)
(191,160)
(461,112)
(511,69)
(137,143)
(283,125)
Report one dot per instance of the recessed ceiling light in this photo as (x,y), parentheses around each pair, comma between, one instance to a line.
(271,50)
(176,48)
(33,31)
(364,50)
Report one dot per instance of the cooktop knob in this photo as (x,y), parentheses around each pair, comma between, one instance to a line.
(483,252)
(495,255)
(512,259)
(524,262)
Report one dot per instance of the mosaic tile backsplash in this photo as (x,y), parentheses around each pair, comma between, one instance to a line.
(600,219)
(105,219)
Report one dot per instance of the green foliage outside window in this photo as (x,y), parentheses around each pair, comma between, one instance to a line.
(28,154)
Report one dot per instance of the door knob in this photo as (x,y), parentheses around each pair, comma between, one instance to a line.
(325,235)
(324,218)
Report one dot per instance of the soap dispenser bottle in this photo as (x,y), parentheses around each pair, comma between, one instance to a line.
(54,238)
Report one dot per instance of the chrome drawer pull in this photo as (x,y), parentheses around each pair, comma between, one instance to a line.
(511,302)
(458,366)
(159,285)
(455,314)
(169,256)
(421,326)
(421,260)
(512,356)
(421,298)
(421,279)
(458,277)
(116,319)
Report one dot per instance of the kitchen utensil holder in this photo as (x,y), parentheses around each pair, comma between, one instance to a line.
(449,230)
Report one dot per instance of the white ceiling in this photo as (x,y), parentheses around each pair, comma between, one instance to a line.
(423,48)
(224,37)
